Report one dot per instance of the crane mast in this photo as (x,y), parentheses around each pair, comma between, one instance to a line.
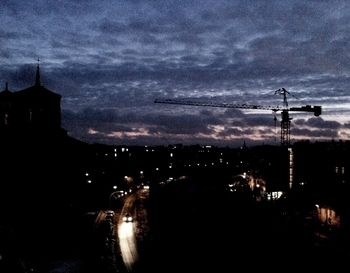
(285,118)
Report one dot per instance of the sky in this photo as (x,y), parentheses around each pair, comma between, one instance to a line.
(110,59)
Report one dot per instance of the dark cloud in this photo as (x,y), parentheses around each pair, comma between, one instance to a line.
(110,59)
(318,133)
(318,123)
(266,121)
(111,120)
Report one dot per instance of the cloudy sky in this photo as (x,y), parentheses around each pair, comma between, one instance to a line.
(109,59)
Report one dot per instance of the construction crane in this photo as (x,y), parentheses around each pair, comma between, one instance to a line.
(285,118)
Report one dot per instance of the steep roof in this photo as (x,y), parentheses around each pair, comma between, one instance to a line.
(37,90)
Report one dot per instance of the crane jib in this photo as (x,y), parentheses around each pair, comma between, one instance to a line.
(285,121)
(217,104)
(317,110)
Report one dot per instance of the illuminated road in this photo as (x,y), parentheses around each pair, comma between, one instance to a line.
(200,232)
(130,232)
(127,242)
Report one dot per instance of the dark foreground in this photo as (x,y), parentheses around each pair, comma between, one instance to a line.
(197,229)
(193,227)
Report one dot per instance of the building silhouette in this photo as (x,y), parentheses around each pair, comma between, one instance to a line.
(31,110)
(39,161)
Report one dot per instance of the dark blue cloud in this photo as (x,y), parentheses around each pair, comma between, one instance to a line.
(318,123)
(110,59)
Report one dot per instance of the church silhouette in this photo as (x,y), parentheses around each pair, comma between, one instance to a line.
(35,109)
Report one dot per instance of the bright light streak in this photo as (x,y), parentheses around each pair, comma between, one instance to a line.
(127,242)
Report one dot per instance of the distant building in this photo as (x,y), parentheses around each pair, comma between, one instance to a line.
(33,109)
